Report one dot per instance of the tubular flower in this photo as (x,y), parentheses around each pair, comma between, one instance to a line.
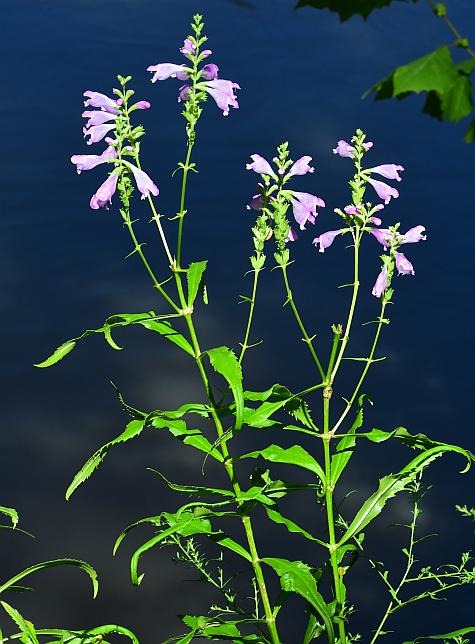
(291,236)
(300,167)
(88,161)
(381,283)
(389,171)
(403,265)
(97,132)
(104,193)
(223,94)
(162,71)
(260,165)
(383,191)
(325,240)
(144,183)
(210,72)
(414,235)
(97,117)
(140,105)
(344,149)
(96,99)
(383,235)
(304,206)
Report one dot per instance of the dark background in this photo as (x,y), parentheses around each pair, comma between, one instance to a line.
(62,265)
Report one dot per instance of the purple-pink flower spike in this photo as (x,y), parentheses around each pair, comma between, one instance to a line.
(325,240)
(381,283)
(104,193)
(403,265)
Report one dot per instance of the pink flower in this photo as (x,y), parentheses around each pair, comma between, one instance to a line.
(96,99)
(104,193)
(304,206)
(389,171)
(210,72)
(223,94)
(141,105)
(88,161)
(403,265)
(167,70)
(344,149)
(383,191)
(143,181)
(383,235)
(300,167)
(291,236)
(260,165)
(376,221)
(98,117)
(97,132)
(188,48)
(326,239)
(414,235)
(381,283)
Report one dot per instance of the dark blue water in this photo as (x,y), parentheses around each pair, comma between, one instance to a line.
(302,74)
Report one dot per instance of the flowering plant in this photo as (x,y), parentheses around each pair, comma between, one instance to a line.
(321,446)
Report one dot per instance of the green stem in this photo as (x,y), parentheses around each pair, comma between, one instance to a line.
(365,370)
(356,286)
(156,283)
(181,214)
(245,345)
(306,338)
(330,516)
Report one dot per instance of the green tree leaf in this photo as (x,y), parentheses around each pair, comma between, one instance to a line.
(296,577)
(435,71)
(456,101)
(225,363)
(194,276)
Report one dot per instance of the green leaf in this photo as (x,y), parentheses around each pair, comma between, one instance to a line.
(194,275)
(133,429)
(192,437)
(89,570)
(58,355)
(290,525)
(392,484)
(344,8)
(12,513)
(434,71)
(346,445)
(88,636)
(25,626)
(225,363)
(296,577)
(165,329)
(444,636)
(456,102)
(295,455)
(193,489)
(470,133)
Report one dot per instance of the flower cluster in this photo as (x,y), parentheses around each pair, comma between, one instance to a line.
(273,191)
(200,81)
(111,116)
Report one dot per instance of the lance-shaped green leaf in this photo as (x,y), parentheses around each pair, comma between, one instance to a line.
(58,354)
(225,363)
(291,526)
(392,484)
(12,513)
(89,570)
(295,455)
(445,636)
(194,276)
(192,437)
(193,489)
(346,445)
(27,629)
(133,429)
(296,577)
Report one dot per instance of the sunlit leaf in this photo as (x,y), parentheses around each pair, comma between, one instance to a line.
(89,570)
(26,627)
(444,636)
(194,276)
(295,455)
(225,363)
(12,513)
(346,445)
(296,577)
